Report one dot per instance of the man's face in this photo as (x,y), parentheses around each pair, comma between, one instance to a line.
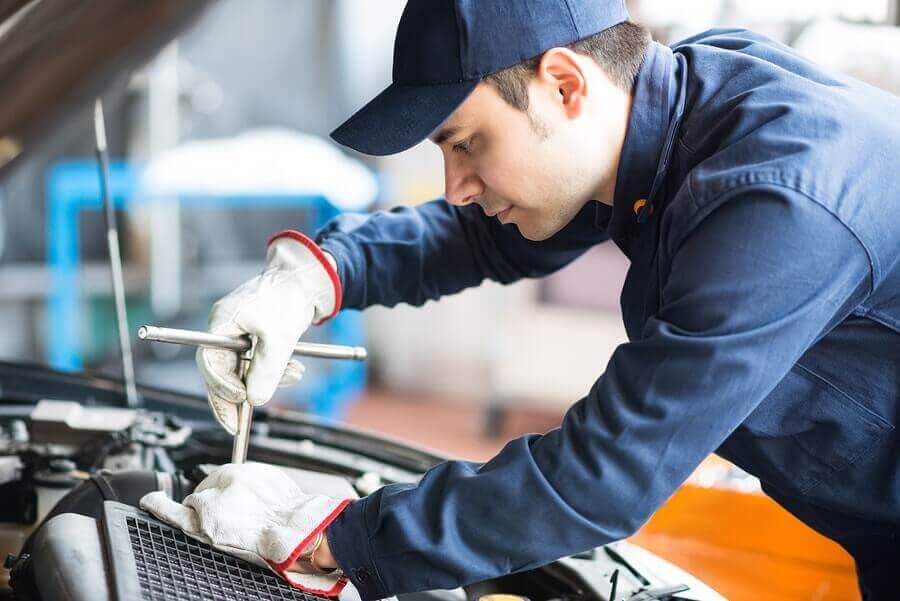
(536,169)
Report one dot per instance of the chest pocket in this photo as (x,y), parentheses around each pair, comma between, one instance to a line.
(803,434)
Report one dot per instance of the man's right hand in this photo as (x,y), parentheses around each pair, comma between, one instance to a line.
(299,286)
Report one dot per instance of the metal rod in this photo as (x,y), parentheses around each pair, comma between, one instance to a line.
(241,443)
(242,435)
(242,344)
(115,258)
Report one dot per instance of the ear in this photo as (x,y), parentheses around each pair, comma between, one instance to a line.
(562,69)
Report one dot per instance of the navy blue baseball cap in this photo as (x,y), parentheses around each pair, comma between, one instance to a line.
(444,48)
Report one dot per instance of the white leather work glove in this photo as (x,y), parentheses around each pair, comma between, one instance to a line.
(298,286)
(256,512)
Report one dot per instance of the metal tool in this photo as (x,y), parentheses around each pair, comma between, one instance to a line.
(244,346)
(241,443)
(115,258)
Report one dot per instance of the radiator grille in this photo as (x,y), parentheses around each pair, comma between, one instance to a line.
(174,567)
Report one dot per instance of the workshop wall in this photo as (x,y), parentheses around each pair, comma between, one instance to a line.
(302,66)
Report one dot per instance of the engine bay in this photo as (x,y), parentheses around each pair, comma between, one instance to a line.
(65,463)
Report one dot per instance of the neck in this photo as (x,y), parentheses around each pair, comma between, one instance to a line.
(606,189)
(605,192)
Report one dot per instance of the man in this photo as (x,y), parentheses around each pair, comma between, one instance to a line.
(756,197)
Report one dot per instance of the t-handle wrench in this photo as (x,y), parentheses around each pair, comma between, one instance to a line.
(243,345)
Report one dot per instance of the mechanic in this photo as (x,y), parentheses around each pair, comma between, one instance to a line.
(757,198)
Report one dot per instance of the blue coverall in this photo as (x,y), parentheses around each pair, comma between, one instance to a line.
(762,308)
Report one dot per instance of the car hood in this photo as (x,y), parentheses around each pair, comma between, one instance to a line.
(57,55)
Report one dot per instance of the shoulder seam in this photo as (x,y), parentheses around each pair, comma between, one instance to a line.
(874,268)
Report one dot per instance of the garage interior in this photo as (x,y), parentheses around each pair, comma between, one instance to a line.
(217,114)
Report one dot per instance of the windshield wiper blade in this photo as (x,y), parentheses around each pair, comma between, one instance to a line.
(659,594)
(616,557)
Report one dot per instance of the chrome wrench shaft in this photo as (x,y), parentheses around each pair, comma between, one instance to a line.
(241,344)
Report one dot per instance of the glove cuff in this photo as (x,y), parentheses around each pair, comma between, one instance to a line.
(282,567)
(320,256)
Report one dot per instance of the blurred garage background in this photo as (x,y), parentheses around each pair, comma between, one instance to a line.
(221,140)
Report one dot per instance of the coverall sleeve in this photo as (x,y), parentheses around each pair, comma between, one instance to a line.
(751,287)
(415,254)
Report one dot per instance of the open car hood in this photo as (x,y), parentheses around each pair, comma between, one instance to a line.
(57,55)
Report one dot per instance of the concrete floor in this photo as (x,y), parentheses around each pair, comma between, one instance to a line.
(450,428)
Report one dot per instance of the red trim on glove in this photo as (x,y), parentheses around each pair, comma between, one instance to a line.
(320,255)
(282,567)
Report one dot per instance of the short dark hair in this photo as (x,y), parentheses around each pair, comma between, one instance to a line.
(619,51)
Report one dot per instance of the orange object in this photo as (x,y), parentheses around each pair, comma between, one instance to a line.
(746,546)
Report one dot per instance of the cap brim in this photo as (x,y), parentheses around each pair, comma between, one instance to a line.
(401,117)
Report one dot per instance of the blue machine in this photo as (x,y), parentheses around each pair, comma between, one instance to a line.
(73,187)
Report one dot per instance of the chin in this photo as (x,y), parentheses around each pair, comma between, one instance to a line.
(533,234)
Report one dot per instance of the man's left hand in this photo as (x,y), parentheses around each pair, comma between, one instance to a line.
(256,512)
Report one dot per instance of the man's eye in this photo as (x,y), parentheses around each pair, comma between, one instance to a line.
(462,147)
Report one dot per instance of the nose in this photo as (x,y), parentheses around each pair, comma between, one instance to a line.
(461,184)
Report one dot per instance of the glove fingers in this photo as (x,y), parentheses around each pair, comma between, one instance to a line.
(225,412)
(293,373)
(270,359)
(219,371)
(176,514)
(244,554)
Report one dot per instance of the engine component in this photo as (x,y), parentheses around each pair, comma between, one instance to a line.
(69,423)
(86,499)
(68,540)
(80,563)
(53,483)
(151,560)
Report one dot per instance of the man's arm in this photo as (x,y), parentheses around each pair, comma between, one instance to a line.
(751,288)
(422,253)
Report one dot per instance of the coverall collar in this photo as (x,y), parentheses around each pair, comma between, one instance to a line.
(654,112)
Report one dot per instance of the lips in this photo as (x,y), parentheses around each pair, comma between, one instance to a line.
(498,212)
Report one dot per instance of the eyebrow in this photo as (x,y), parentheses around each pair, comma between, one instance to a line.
(445,134)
